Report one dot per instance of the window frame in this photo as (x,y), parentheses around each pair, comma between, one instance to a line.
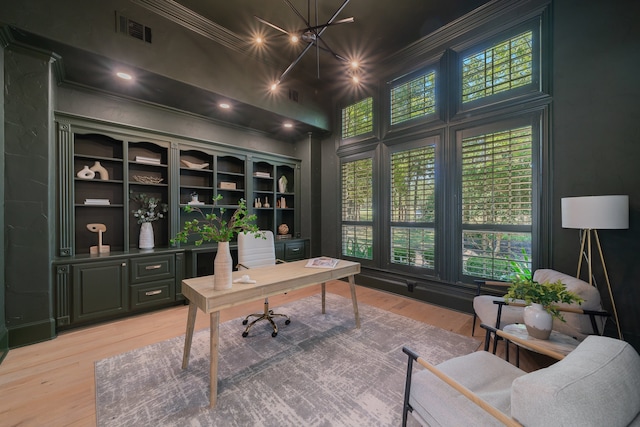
(535,120)
(431,117)
(530,90)
(374,121)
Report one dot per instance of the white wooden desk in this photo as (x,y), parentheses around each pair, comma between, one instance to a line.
(272,280)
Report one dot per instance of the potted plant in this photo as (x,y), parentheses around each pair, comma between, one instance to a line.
(150,209)
(540,300)
(214,227)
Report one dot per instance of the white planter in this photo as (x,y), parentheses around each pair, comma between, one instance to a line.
(538,321)
(222,267)
(146,240)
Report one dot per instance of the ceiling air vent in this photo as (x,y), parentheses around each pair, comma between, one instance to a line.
(131,28)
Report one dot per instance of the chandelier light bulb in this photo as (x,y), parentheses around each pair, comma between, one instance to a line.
(355,64)
(259,40)
(274,86)
(294,39)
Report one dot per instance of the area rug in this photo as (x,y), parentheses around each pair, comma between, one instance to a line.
(318,371)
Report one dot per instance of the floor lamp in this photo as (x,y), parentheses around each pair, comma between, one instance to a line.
(590,214)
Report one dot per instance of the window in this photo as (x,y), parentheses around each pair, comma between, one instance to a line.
(413,207)
(357,119)
(504,66)
(497,188)
(357,209)
(413,99)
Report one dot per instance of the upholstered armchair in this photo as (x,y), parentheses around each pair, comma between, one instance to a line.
(595,385)
(580,320)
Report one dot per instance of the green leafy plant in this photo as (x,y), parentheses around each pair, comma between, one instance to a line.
(150,208)
(213,227)
(524,288)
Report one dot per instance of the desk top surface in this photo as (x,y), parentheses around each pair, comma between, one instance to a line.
(270,280)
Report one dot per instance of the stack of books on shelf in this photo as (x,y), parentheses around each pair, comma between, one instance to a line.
(144,159)
(97,202)
(262,174)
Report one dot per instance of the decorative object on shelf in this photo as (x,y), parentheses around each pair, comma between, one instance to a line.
(259,174)
(283,229)
(150,209)
(146,179)
(524,288)
(266,203)
(282,184)
(227,185)
(146,239)
(100,249)
(191,165)
(100,170)
(283,203)
(213,227)
(86,173)
(149,160)
(97,202)
(588,214)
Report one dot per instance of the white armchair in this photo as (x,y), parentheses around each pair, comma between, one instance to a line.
(580,320)
(595,385)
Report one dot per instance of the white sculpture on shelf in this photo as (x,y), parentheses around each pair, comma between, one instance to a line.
(100,170)
(100,249)
(282,184)
(86,173)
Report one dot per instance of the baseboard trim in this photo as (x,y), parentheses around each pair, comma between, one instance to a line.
(4,342)
(32,333)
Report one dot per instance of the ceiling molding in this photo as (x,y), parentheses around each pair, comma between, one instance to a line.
(187,18)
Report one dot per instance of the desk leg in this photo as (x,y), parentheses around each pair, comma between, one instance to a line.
(324,293)
(188,337)
(352,285)
(214,335)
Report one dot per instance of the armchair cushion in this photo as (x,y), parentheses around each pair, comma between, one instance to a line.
(435,403)
(596,384)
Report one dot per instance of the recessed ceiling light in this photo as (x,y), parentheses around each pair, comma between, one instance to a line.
(288,125)
(224,105)
(124,76)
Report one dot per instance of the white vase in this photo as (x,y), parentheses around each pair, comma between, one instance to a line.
(222,267)
(538,321)
(146,236)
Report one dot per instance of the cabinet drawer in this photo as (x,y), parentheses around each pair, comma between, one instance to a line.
(293,251)
(149,294)
(152,268)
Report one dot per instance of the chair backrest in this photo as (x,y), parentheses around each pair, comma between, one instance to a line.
(256,250)
(596,384)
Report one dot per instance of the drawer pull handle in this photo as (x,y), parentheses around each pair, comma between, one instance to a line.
(295,249)
(151,293)
(153,267)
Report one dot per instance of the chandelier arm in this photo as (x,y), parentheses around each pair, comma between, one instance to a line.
(306,22)
(335,15)
(271,25)
(326,48)
(295,61)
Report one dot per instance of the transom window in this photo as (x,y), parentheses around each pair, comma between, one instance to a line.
(497,188)
(413,99)
(504,66)
(357,119)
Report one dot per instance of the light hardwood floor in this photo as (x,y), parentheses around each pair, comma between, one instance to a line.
(52,383)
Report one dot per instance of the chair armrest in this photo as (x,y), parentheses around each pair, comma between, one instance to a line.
(494,283)
(483,404)
(524,343)
(279,261)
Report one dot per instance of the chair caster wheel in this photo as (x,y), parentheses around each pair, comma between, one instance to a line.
(245,321)
(245,334)
(273,334)
(286,322)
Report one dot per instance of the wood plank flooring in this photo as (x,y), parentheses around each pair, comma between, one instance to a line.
(52,383)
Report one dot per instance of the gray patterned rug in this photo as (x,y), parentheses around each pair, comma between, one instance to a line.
(318,371)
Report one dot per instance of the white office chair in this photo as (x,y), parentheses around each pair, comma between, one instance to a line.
(255,251)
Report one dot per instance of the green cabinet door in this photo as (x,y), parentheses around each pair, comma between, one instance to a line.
(99,290)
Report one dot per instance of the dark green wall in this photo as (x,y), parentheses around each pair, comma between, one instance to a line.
(4,335)
(594,149)
(28,196)
(596,135)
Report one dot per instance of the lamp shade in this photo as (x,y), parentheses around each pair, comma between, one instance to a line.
(596,212)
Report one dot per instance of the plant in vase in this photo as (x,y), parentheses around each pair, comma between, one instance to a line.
(214,227)
(150,209)
(540,300)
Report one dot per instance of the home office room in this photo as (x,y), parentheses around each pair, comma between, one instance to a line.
(320,212)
